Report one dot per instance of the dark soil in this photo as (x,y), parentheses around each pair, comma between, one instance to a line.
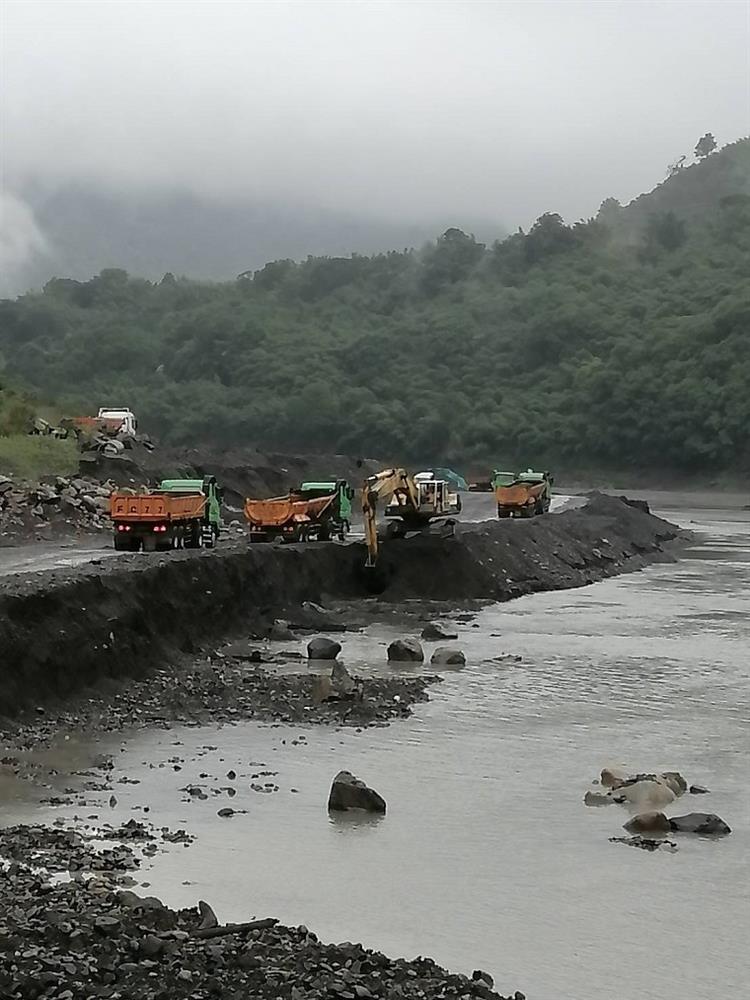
(242,473)
(62,631)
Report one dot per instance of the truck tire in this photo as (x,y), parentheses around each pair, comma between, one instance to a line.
(122,544)
(193,537)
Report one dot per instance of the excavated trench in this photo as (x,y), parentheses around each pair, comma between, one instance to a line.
(63,630)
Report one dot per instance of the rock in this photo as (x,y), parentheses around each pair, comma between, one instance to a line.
(698,790)
(445,657)
(645,843)
(437,632)
(675,781)
(341,680)
(703,824)
(348,792)
(151,946)
(479,976)
(280,632)
(613,776)
(597,799)
(406,650)
(322,689)
(208,917)
(645,792)
(225,812)
(649,822)
(321,648)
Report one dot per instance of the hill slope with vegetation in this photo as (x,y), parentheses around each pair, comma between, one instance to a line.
(618,343)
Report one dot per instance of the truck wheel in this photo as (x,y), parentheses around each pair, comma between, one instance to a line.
(324,533)
(123,544)
(194,538)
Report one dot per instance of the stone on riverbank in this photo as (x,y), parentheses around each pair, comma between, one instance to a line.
(436,633)
(445,657)
(702,824)
(348,792)
(321,648)
(649,822)
(405,650)
(645,792)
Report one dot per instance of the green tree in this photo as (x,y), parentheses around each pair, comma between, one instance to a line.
(705,146)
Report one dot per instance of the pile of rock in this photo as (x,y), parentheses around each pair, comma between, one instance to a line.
(86,938)
(647,795)
(73,505)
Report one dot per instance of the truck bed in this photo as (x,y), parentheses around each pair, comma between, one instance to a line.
(278,511)
(147,507)
(518,494)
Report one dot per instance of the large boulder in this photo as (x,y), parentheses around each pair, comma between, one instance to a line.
(406,650)
(435,633)
(445,657)
(348,792)
(321,648)
(648,822)
(704,824)
(645,792)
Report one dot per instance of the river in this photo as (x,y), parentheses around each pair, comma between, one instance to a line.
(487,857)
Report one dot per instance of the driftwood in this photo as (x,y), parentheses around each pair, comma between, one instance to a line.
(250,925)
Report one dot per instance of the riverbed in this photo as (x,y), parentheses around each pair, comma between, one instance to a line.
(487,857)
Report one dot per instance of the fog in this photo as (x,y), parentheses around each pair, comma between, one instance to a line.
(402,112)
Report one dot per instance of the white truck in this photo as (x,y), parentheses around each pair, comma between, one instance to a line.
(128,425)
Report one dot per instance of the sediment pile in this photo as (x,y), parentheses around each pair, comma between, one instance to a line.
(62,630)
(89,939)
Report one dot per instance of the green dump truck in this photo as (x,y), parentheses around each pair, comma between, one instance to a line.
(522,494)
(180,513)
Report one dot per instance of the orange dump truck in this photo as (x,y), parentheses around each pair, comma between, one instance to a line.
(315,510)
(522,494)
(181,513)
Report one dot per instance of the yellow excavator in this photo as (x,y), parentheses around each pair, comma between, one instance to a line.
(413,500)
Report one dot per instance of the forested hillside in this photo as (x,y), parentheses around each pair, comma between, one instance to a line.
(622,342)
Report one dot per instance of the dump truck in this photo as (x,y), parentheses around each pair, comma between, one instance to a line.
(315,510)
(522,494)
(180,513)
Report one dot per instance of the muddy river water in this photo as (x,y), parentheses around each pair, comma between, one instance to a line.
(487,857)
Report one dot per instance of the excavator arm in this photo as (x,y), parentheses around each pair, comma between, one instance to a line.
(386,484)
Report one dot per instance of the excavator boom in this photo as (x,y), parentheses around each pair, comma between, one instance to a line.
(414,502)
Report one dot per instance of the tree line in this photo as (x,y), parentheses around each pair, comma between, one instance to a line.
(620,342)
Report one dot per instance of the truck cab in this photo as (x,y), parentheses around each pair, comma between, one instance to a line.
(213,493)
(128,423)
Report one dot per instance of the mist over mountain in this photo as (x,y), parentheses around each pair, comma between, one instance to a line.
(616,343)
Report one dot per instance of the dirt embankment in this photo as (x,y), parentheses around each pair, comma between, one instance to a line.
(63,630)
(242,473)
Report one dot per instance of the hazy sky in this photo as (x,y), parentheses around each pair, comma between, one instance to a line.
(497,110)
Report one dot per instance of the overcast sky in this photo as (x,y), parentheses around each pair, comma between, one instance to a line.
(496,110)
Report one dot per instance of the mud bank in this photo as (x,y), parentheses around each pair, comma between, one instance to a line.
(63,630)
